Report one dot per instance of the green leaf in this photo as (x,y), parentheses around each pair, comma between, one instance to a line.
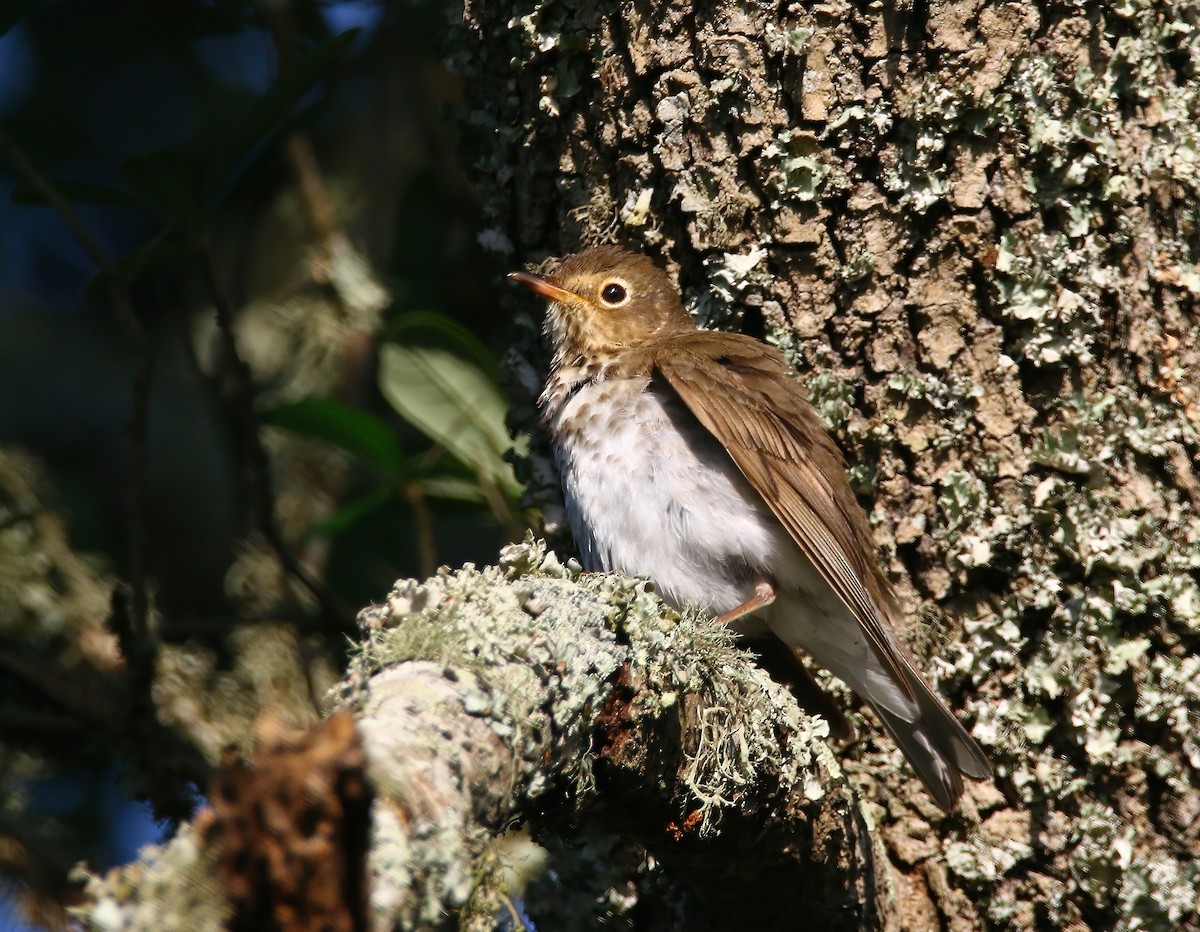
(351,513)
(442,380)
(82,192)
(354,430)
(428,328)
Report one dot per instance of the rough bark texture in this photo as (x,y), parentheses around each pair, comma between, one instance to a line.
(973,226)
(525,693)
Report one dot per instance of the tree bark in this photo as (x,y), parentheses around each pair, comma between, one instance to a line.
(973,227)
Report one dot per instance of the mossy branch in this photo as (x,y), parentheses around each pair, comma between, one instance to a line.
(529,693)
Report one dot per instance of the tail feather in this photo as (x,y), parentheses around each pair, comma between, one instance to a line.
(936,744)
(933,740)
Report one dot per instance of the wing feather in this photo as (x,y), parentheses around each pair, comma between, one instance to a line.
(739,391)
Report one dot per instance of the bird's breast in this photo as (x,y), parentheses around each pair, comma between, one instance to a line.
(649,491)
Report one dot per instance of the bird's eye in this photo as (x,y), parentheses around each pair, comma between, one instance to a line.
(614,293)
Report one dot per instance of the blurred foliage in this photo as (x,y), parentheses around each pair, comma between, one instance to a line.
(269,190)
(444,382)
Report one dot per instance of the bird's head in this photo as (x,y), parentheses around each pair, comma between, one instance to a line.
(606,299)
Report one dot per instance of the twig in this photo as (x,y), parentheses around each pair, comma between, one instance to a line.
(298,150)
(261,485)
(313,191)
(423,520)
(139,261)
(514,916)
(42,186)
(354,284)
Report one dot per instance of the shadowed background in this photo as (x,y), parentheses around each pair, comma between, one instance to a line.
(254,384)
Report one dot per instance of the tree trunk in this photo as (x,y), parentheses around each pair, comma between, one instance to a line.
(973,226)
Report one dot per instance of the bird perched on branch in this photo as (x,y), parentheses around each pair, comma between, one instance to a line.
(693,457)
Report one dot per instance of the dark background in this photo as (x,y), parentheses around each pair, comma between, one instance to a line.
(165,128)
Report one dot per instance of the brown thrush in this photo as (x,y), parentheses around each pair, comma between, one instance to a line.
(693,458)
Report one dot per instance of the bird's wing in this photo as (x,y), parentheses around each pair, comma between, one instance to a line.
(740,391)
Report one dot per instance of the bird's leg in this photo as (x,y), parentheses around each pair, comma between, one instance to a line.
(764,595)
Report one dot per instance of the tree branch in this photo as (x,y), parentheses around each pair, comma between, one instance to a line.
(529,693)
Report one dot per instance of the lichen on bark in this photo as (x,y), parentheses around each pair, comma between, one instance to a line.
(973,228)
(573,676)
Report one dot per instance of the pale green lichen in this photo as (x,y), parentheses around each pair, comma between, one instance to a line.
(793,39)
(1081,165)
(919,177)
(832,396)
(951,397)
(1056,290)
(1115,576)
(532,646)
(977,859)
(517,629)
(856,268)
(730,275)
(733,748)
(170,886)
(795,171)
(1055,275)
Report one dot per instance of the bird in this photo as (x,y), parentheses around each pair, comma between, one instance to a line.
(694,458)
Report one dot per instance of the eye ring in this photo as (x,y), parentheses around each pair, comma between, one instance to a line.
(614,293)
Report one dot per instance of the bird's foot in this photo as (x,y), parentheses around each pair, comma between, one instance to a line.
(764,595)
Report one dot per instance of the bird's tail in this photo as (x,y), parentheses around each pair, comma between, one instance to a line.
(935,743)
(937,746)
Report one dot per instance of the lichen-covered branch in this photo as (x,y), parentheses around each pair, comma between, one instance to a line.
(531,694)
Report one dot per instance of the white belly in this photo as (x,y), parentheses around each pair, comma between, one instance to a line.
(663,499)
(644,498)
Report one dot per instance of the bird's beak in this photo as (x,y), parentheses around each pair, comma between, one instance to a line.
(543,286)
